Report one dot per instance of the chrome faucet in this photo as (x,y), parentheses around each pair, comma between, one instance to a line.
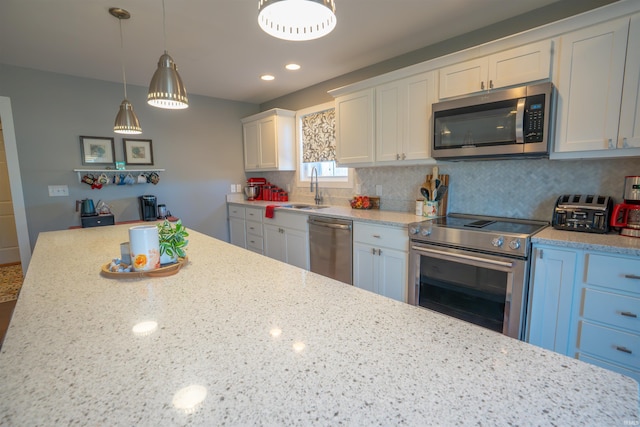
(318,198)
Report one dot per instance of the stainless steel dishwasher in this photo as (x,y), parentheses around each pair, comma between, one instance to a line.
(330,247)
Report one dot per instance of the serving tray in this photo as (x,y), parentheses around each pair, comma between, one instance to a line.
(169,270)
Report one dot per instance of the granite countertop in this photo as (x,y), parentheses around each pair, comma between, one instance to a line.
(391,218)
(610,242)
(259,342)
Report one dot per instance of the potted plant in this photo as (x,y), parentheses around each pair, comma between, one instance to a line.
(172,241)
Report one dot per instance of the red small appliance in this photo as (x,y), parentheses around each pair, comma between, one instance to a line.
(626,215)
(257,182)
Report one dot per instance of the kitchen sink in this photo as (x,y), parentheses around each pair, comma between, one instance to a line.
(304,206)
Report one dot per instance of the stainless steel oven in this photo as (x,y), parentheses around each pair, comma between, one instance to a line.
(473,268)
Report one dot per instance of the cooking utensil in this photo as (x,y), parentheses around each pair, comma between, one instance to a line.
(441,192)
(424,192)
(432,188)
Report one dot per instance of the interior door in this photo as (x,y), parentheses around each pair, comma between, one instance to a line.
(9,250)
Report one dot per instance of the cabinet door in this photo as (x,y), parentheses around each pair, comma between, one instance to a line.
(364,276)
(237,232)
(355,127)
(421,93)
(392,274)
(390,120)
(550,296)
(520,65)
(590,86)
(464,78)
(251,132)
(297,248)
(268,143)
(629,133)
(274,242)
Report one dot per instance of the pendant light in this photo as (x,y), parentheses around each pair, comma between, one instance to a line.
(297,20)
(166,89)
(126,120)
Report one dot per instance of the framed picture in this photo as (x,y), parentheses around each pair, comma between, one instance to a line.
(97,150)
(138,151)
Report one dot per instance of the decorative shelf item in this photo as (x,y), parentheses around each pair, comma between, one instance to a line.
(98,178)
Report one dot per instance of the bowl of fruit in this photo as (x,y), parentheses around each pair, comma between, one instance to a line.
(365,202)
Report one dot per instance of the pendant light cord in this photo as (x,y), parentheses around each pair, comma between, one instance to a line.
(164,27)
(124,77)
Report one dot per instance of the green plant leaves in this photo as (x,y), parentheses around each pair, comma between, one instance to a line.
(172,239)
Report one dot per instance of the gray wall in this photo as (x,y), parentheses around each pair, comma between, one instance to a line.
(200,148)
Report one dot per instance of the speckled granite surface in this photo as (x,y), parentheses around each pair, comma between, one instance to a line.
(612,242)
(259,342)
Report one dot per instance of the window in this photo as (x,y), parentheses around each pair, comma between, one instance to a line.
(315,131)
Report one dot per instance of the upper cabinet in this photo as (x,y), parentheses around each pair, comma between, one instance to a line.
(598,104)
(403,118)
(386,124)
(269,141)
(520,65)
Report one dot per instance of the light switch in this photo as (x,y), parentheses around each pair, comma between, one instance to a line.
(58,190)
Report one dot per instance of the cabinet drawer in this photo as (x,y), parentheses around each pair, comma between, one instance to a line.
(378,235)
(635,374)
(254,228)
(255,243)
(254,214)
(288,220)
(614,309)
(236,211)
(97,220)
(614,272)
(611,344)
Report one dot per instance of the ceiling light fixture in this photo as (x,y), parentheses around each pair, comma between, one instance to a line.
(126,120)
(166,89)
(292,67)
(267,77)
(297,20)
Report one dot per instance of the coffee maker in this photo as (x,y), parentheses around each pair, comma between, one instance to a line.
(148,208)
(627,215)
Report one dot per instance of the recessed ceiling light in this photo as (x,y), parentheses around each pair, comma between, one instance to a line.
(292,67)
(267,77)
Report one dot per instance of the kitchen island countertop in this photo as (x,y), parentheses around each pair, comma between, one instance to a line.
(611,242)
(259,342)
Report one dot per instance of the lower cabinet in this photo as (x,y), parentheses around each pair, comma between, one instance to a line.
(586,304)
(380,259)
(237,232)
(245,228)
(286,238)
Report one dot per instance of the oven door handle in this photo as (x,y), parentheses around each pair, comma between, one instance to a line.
(451,256)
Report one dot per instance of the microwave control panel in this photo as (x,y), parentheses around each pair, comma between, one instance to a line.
(534,119)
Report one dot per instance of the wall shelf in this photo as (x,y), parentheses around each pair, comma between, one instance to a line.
(111,173)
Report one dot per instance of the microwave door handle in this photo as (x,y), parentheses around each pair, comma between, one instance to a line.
(520,121)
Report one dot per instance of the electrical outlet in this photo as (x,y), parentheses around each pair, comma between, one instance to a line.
(58,190)
(238,188)
(378,190)
(233,188)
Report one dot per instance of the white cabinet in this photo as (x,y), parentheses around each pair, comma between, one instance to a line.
(237,233)
(598,104)
(403,118)
(286,238)
(269,141)
(380,259)
(550,298)
(355,127)
(520,65)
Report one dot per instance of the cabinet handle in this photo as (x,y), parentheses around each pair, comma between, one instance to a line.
(628,314)
(610,144)
(623,349)
(397,156)
(404,156)
(379,251)
(490,84)
(373,251)
(481,85)
(632,276)
(377,236)
(624,142)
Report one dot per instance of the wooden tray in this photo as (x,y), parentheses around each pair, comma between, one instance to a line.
(169,270)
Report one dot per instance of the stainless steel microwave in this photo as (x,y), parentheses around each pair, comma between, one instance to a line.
(514,122)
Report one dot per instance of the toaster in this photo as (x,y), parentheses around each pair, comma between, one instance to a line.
(586,213)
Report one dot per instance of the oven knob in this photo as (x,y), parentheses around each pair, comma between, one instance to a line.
(425,231)
(498,241)
(414,229)
(514,244)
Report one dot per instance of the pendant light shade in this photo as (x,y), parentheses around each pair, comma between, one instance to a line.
(166,89)
(126,120)
(297,20)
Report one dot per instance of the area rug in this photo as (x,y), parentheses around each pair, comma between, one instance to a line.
(10,282)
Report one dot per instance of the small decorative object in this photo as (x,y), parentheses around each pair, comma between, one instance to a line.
(97,150)
(144,247)
(430,209)
(120,166)
(365,202)
(138,151)
(172,241)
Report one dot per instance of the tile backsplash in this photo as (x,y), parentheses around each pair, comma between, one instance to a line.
(526,188)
